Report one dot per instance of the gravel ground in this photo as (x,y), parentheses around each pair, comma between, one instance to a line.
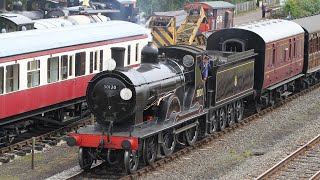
(50,161)
(251,150)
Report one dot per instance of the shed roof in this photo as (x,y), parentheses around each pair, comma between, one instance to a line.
(309,23)
(17,19)
(180,15)
(272,30)
(23,42)
(212,5)
(51,23)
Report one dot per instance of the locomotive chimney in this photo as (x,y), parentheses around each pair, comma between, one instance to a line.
(2,5)
(117,53)
(149,54)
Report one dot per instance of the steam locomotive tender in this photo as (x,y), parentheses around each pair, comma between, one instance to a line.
(144,112)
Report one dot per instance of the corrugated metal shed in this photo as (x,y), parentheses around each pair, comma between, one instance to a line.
(311,23)
(23,42)
(179,15)
(51,23)
(272,30)
(219,4)
(17,19)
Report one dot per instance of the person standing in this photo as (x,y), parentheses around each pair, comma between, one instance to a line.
(264,8)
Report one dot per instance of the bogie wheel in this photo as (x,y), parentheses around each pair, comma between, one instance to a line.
(150,150)
(131,161)
(168,143)
(85,158)
(214,123)
(191,135)
(238,111)
(230,115)
(222,118)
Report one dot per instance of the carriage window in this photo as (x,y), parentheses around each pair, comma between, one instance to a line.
(280,53)
(137,51)
(1,80)
(311,46)
(294,48)
(12,78)
(91,62)
(53,69)
(64,67)
(96,60)
(80,65)
(273,55)
(101,59)
(317,43)
(301,46)
(285,54)
(290,48)
(267,57)
(129,53)
(33,73)
(70,65)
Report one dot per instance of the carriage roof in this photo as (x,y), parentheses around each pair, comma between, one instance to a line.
(309,23)
(23,42)
(273,30)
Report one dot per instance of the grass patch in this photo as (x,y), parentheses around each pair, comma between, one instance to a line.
(236,157)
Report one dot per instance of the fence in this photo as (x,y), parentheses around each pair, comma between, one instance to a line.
(251,5)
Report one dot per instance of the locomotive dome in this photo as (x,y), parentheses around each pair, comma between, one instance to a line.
(149,54)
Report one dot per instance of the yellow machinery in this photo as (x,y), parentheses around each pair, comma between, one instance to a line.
(164,31)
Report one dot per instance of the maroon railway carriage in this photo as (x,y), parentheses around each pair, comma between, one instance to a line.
(44,73)
(312,47)
(280,48)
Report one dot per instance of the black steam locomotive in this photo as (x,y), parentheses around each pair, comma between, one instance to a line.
(146,111)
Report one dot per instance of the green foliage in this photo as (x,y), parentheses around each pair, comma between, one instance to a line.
(298,8)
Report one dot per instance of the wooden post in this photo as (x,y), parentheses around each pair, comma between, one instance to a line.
(32,155)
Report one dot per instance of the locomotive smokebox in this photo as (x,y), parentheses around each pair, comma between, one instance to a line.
(149,54)
(117,53)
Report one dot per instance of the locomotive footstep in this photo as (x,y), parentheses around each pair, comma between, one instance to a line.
(4,159)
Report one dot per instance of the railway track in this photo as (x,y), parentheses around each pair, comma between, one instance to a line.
(101,172)
(49,135)
(304,163)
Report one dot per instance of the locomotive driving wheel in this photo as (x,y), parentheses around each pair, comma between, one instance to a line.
(213,122)
(131,161)
(85,158)
(191,135)
(222,118)
(230,115)
(168,142)
(238,111)
(150,150)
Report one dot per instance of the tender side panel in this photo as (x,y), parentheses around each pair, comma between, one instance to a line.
(234,81)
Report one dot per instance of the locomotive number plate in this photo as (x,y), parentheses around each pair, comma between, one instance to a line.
(110,87)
